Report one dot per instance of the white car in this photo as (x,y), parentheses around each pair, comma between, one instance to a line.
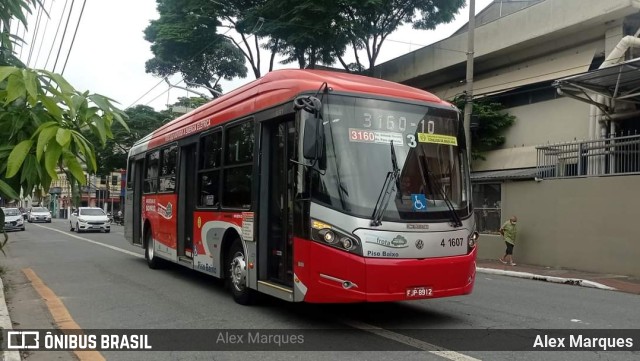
(39,214)
(89,219)
(13,220)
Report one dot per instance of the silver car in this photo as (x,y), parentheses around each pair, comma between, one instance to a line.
(89,219)
(39,214)
(13,220)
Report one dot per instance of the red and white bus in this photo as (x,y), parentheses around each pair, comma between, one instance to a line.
(310,186)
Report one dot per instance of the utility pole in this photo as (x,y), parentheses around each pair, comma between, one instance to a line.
(468,106)
(111,195)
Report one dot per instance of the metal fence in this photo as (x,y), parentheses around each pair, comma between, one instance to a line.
(613,155)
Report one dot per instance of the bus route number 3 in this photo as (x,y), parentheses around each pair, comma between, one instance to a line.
(452,242)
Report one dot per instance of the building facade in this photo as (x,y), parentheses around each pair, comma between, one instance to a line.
(570,167)
(105,192)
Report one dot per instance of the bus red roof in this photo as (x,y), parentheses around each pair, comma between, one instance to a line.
(275,88)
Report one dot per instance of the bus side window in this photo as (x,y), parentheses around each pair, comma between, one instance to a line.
(209,163)
(238,166)
(151,172)
(168,169)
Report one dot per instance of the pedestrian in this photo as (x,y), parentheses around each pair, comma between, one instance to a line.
(509,232)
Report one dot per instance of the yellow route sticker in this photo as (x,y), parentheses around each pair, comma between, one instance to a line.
(437,139)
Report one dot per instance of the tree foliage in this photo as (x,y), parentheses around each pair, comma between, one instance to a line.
(246,18)
(305,32)
(492,120)
(142,120)
(367,24)
(45,121)
(16,10)
(184,40)
(190,102)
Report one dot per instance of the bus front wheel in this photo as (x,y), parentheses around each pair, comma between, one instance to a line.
(237,274)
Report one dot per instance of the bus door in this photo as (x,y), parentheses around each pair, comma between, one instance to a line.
(186,200)
(280,176)
(133,202)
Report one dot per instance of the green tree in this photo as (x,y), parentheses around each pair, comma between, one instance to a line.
(142,120)
(184,41)
(367,24)
(190,102)
(246,18)
(304,32)
(492,121)
(45,120)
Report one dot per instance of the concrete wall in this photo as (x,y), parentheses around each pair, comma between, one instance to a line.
(588,224)
(558,120)
(553,121)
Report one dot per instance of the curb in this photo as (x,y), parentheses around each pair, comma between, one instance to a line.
(533,276)
(5,324)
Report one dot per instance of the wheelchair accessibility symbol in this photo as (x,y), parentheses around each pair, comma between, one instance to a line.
(419,202)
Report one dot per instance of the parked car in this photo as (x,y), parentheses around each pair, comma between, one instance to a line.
(89,219)
(13,220)
(39,214)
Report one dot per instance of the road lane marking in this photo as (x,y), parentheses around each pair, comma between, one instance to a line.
(94,242)
(59,312)
(410,341)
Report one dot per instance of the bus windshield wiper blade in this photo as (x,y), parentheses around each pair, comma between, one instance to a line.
(456,221)
(385,193)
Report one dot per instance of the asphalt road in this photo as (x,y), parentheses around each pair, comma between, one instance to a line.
(112,288)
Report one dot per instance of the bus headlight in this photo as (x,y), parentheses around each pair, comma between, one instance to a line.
(473,239)
(347,243)
(328,235)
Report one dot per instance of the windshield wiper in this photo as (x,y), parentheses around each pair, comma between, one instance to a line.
(385,193)
(456,221)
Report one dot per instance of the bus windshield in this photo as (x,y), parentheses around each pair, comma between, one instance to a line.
(430,179)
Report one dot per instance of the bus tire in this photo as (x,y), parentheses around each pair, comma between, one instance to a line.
(149,251)
(237,274)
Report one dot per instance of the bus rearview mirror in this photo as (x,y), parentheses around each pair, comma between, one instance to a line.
(313,141)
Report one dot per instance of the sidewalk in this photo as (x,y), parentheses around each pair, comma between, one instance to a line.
(572,277)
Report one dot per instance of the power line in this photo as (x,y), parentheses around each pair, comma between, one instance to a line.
(64,33)
(165,77)
(44,33)
(35,34)
(24,33)
(74,37)
(148,91)
(56,36)
(161,94)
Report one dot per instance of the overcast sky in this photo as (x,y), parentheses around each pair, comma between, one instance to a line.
(109,51)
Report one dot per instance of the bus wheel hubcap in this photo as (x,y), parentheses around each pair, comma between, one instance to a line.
(238,271)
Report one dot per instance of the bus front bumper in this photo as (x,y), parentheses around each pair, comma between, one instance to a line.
(331,275)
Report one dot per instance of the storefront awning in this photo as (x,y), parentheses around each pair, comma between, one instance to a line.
(616,82)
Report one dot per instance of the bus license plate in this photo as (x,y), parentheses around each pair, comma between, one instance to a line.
(419,292)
